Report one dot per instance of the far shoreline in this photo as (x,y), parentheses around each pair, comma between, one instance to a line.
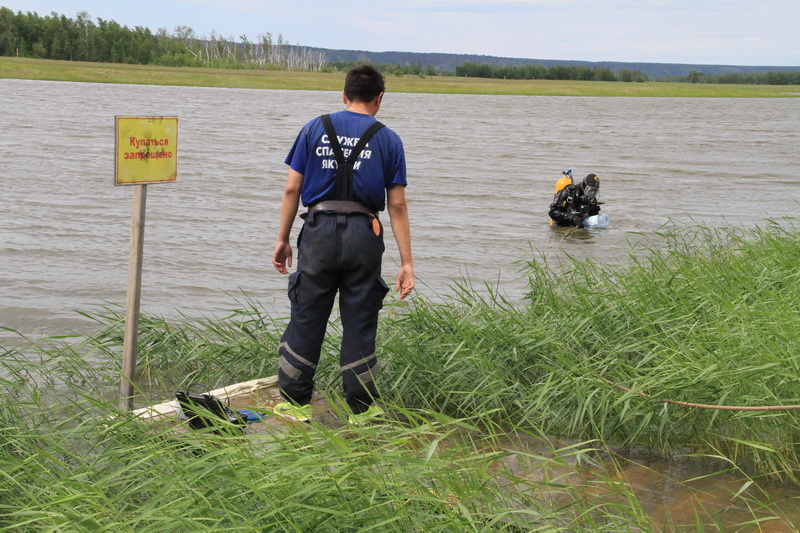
(79,71)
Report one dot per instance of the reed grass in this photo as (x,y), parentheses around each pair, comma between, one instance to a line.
(76,471)
(706,316)
(709,318)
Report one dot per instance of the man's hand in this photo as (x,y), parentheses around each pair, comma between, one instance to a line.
(405,281)
(282,257)
(398,215)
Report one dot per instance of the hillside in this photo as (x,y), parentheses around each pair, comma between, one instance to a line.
(449,62)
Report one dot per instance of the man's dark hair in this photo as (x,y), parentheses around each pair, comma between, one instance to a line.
(363,84)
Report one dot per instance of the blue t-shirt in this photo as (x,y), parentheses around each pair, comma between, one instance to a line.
(381,165)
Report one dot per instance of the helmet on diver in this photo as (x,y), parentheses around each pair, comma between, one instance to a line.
(590,185)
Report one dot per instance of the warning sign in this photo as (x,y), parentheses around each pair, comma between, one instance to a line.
(146,150)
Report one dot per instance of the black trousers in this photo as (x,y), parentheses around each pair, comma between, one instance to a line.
(336,252)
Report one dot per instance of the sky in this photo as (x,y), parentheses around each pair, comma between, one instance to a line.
(718,32)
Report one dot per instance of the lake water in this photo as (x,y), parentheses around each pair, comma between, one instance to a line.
(481,175)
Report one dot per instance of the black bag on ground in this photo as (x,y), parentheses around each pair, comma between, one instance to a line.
(205,411)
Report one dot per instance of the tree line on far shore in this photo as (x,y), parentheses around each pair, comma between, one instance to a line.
(555,72)
(749,78)
(105,41)
(81,39)
(581,72)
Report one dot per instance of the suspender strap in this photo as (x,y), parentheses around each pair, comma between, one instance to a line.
(332,138)
(362,142)
(344,180)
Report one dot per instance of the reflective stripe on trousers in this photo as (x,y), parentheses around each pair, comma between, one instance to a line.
(336,253)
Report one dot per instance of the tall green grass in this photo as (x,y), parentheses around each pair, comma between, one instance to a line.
(711,317)
(81,466)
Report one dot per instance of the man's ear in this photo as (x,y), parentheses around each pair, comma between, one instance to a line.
(377,103)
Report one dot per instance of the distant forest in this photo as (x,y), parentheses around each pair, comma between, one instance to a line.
(82,39)
(555,72)
(597,73)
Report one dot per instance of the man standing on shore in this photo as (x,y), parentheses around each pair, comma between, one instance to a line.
(344,184)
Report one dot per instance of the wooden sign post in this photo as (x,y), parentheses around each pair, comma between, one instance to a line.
(134,296)
(146,152)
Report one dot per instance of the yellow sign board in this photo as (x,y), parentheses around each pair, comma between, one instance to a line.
(146,150)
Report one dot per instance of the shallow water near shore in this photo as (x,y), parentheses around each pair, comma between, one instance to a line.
(481,174)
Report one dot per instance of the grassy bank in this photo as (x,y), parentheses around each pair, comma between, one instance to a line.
(39,69)
(710,318)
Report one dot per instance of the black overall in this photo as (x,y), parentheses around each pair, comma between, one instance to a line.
(338,251)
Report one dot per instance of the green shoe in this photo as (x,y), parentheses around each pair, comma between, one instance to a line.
(290,411)
(373,413)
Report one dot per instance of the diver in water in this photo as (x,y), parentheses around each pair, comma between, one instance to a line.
(572,204)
